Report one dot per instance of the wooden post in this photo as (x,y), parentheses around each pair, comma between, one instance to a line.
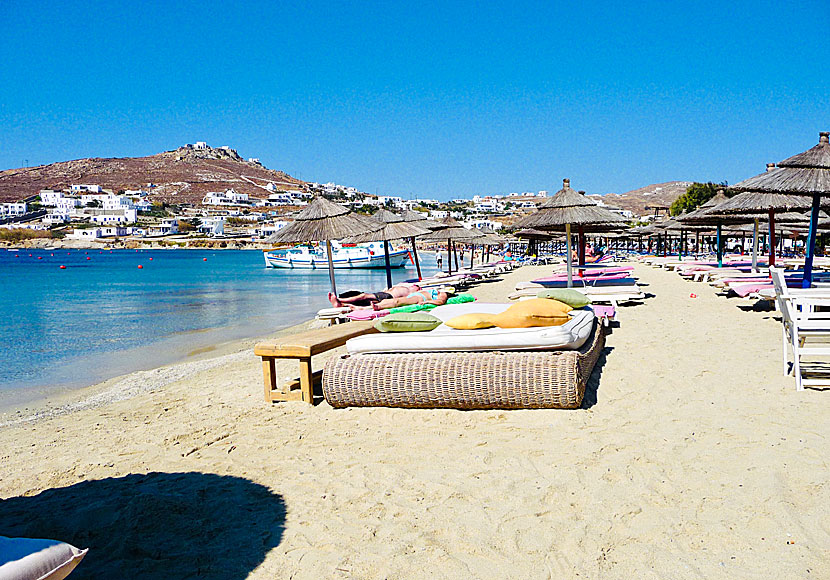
(331,268)
(415,255)
(772,237)
(306,380)
(269,375)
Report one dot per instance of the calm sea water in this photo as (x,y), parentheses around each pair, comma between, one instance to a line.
(102,316)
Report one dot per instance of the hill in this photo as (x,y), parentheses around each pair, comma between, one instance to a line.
(183,175)
(636,200)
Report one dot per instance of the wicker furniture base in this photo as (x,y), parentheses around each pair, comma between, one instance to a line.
(464,380)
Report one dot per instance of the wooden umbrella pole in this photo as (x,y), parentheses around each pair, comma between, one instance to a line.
(472,254)
(772,237)
(387,264)
(720,249)
(455,255)
(807,281)
(331,267)
(755,245)
(581,237)
(449,256)
(568,255)
(415,255)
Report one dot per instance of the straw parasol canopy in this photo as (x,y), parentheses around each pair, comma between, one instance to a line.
(806,173)
(393,227)
(568,207)
(490,238)
(324,221)
(532,234)
(450,230)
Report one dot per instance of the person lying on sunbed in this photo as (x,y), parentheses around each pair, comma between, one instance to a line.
(435,296)
(357,298)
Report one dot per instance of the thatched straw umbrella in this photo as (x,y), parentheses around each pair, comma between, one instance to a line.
(419,220)
(532,236)
(568,207)
(807,173)
(758,202)
(324,221)
(393,227)
(705,215)
(450,230)
(490,238)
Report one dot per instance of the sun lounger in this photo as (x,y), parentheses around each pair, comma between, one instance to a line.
(465,380)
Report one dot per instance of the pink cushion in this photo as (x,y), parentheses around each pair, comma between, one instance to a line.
(366,314)
(602,311)
(744,290)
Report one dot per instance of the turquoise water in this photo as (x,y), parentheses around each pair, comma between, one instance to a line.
(102,317)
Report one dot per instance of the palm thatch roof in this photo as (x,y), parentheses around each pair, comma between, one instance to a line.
(758,201)
(392,227)
(449,229)
(531,234)
(323,220)
(409,215)
(490,237)
(804,174)
(568,206)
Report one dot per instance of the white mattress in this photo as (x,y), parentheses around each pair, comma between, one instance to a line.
(569,336)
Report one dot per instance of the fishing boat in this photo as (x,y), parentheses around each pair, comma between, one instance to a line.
(344,256)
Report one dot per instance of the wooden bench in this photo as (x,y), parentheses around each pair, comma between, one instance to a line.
(302,347)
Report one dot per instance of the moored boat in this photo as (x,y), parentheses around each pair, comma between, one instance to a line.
(306,256)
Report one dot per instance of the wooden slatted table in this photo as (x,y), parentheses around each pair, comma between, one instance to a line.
(302,347)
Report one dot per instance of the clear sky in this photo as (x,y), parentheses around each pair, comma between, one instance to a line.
(436,99)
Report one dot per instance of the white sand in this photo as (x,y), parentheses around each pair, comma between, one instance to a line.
(695,458)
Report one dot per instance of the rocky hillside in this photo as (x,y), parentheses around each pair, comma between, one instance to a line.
(183,175)
(658,194)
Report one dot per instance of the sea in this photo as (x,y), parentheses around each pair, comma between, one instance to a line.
(112,312)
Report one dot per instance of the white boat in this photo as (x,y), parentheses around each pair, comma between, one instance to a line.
(349,256)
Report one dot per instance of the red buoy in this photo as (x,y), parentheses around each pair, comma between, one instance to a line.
(140,267)
(88,258)
(63,267)
(40,257)
(204,259)
(151,259)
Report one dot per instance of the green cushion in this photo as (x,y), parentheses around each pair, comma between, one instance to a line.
(572,298)
(413,308)
(461,299)
(407,322)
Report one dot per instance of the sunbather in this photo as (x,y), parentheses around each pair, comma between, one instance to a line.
(357,298)
(431,296)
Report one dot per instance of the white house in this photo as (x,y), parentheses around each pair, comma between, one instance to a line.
(228,197)
(143,205)
(168,226)
(272,228)
(117,202)
(12,209)
(57,216)
(115,216)
(50,197)
(200,145)
(212,226)
(89,188)
(482,223)
(438,214)
(86,234)
(135,192)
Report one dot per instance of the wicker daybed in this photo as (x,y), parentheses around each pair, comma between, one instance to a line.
(464,380)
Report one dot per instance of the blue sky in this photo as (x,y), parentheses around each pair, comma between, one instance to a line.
(437,99)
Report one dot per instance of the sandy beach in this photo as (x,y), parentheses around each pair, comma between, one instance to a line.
(692,457)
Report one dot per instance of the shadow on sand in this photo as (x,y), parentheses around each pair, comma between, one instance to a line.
(590,398)
(155,525)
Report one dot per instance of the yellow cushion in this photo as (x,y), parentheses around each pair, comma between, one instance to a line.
(471,321)
(533,312)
